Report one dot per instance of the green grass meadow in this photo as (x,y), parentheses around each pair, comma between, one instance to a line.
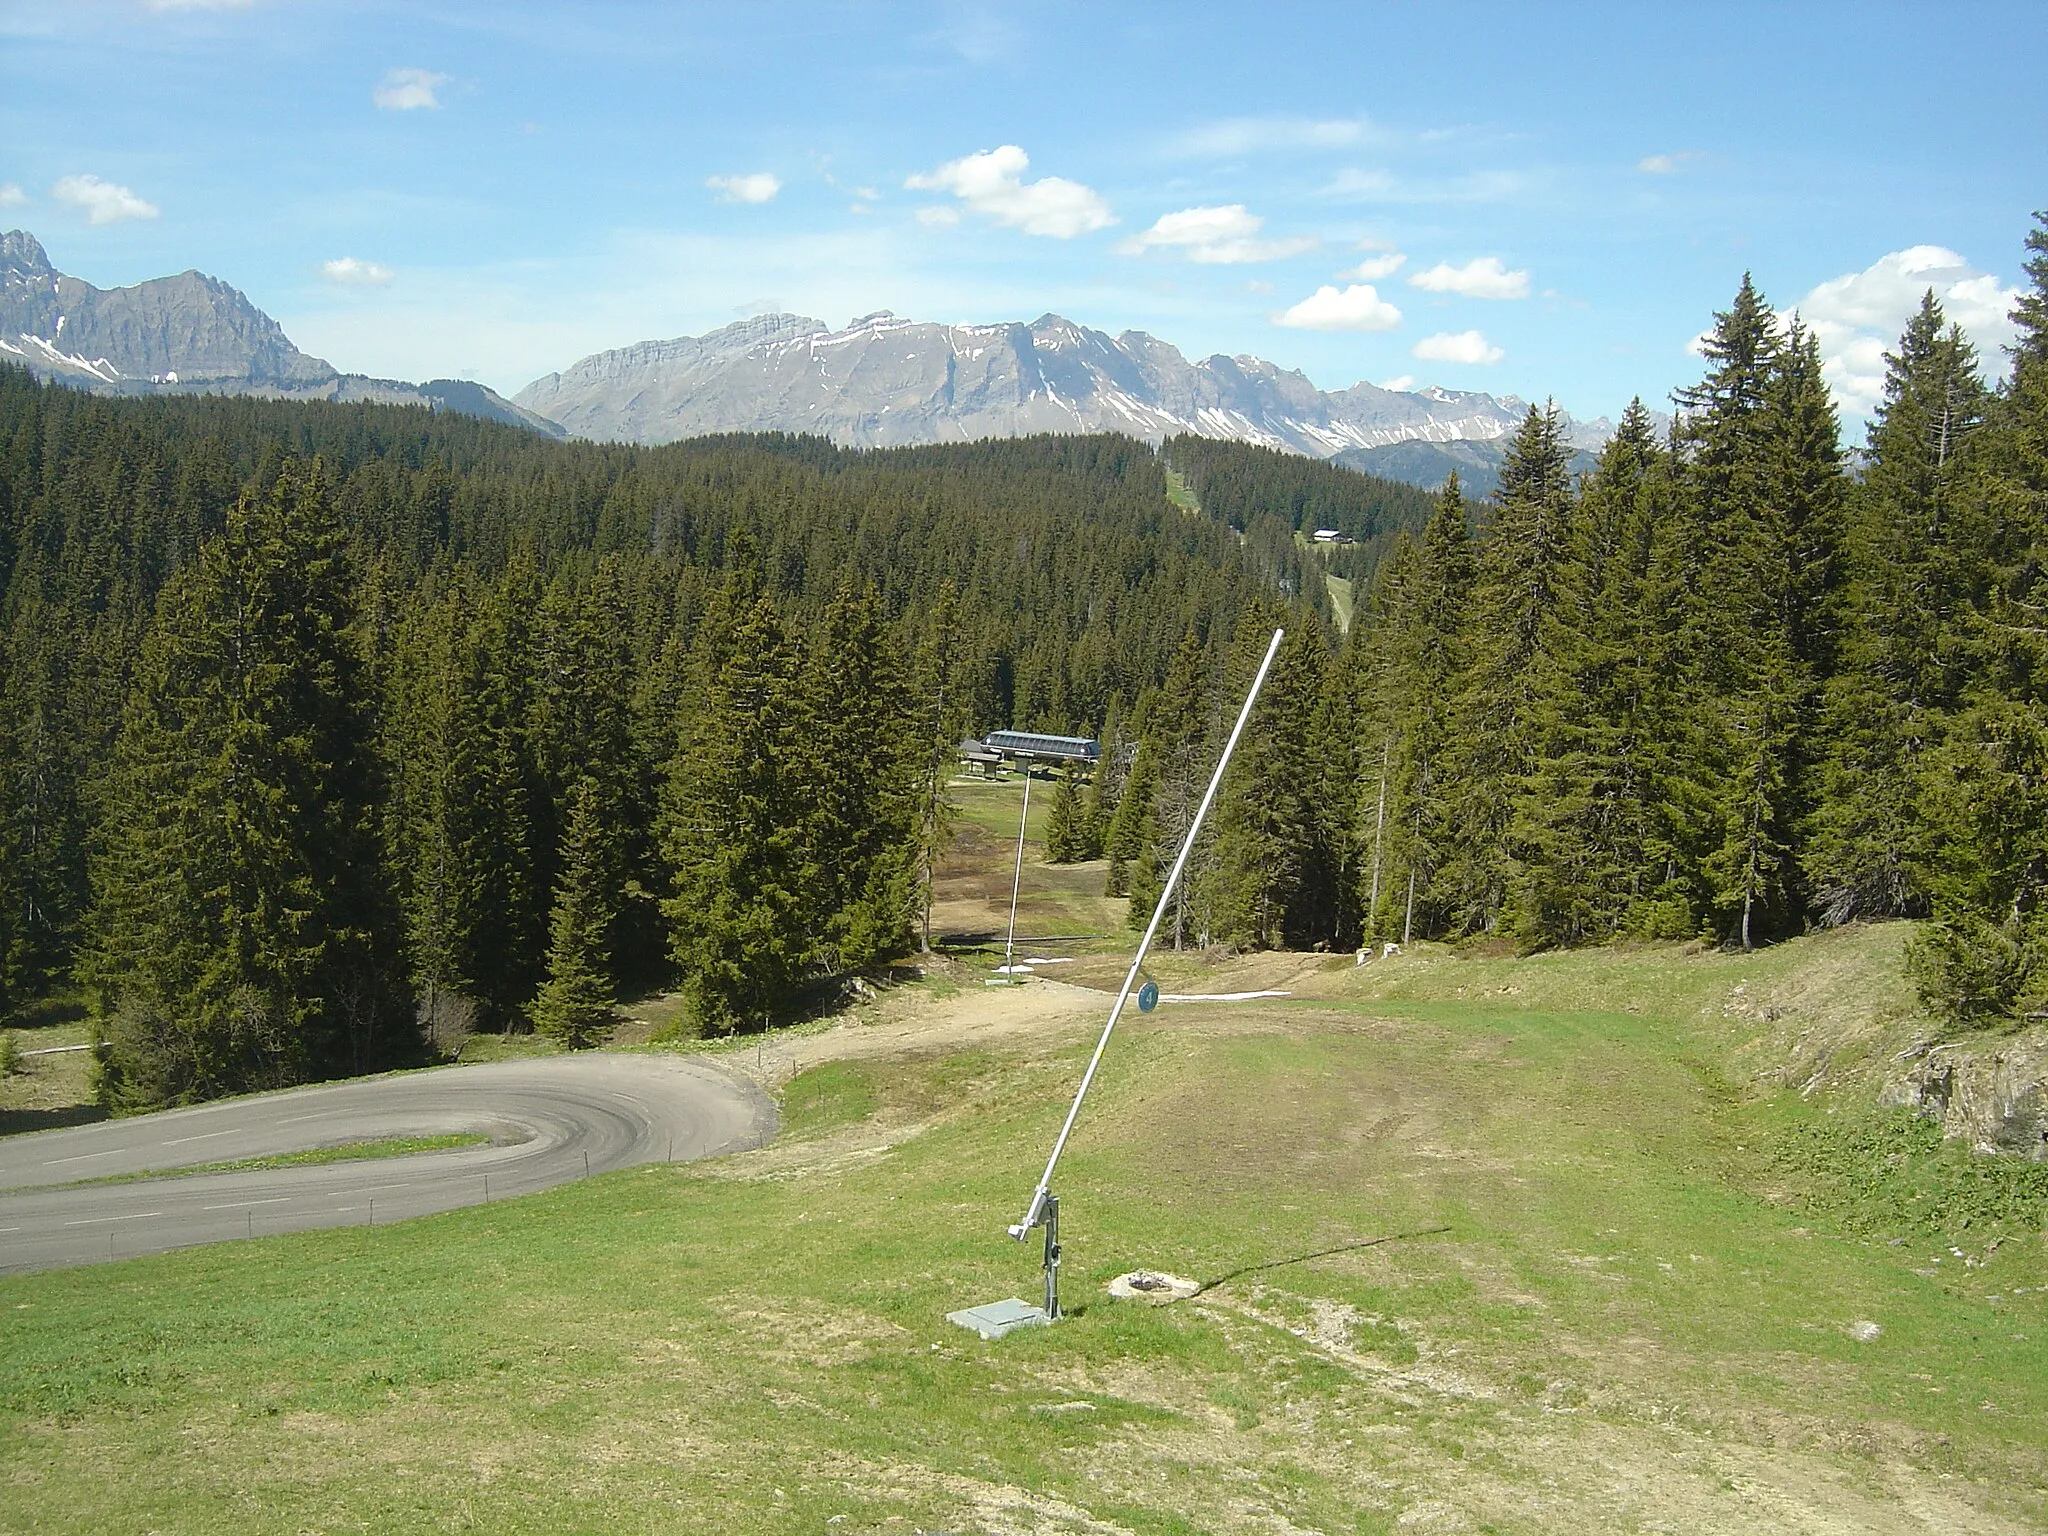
(1621,1291)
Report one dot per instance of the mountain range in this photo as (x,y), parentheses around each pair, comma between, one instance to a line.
(880,381)
(187,334)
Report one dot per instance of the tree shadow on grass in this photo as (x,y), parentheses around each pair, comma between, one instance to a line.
(1320,1253)
(15,1121)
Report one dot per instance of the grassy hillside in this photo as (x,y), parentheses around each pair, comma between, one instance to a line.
(1625,1284)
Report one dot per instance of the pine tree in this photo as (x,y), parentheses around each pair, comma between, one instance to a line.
(1130,832)
(737,823)
(854,744)
(1585,820)
(575,1004)
(1915,566)
(1420,646)
(44,779)
(1495,749)
(1985,955)
(1065,825)
(1170,792)
(583,728)
(1105,785)
(1274,881)
(939,709)
(242,934)
(461,824)
(1759,469)
(1369,670)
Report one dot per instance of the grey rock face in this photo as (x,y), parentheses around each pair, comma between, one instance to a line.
(884,381)
(190,330)
(1992,1096)
(184,334)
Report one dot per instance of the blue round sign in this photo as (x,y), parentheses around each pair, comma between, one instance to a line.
(1148,997)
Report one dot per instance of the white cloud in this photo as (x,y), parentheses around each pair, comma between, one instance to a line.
(102,202)
(938,216)
(992,183)
(408,90)
(1243,135)
(1357,308)
(1374,268)
(11,195)
(1666,165)
(353,272)
(1484,277)
(1223,236)
(1856,317)
(1403,383)
(1458,347)
(760,187)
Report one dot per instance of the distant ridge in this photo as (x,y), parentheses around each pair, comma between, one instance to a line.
(188,334)
(880,381)
(1428,465)
(883,381)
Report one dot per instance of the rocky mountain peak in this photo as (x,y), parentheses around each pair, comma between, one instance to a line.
(187,332)
(885,381)
(22,254)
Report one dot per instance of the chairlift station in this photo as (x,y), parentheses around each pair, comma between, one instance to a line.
(1034,744)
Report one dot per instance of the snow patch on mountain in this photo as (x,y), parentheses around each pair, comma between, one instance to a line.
(884,381)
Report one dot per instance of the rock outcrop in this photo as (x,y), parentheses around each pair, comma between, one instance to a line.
(1993,1095)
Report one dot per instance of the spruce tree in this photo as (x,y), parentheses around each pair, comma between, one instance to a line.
(243,936)
(938,707)
(1915,564)
(854,743)
(422,815)
(1368,669)
(1130,832)
(1163,811)
(1274,880)
(45,778)
(1759,469)
(1421,642)
(737,822)
(1495,746)
(461,819)
(1584,822)
(1985,955)
(1105,785)
(1065,825)
(583,728)
(575,1004)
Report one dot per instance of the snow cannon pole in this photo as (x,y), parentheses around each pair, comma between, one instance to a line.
(1037,1211)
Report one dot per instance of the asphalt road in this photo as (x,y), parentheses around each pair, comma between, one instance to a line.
(550,1119)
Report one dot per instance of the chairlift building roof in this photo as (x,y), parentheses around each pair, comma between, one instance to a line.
(1083,749)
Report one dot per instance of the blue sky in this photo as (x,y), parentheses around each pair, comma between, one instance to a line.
(1529,199)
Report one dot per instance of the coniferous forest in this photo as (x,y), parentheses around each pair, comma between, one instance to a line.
(322,727)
